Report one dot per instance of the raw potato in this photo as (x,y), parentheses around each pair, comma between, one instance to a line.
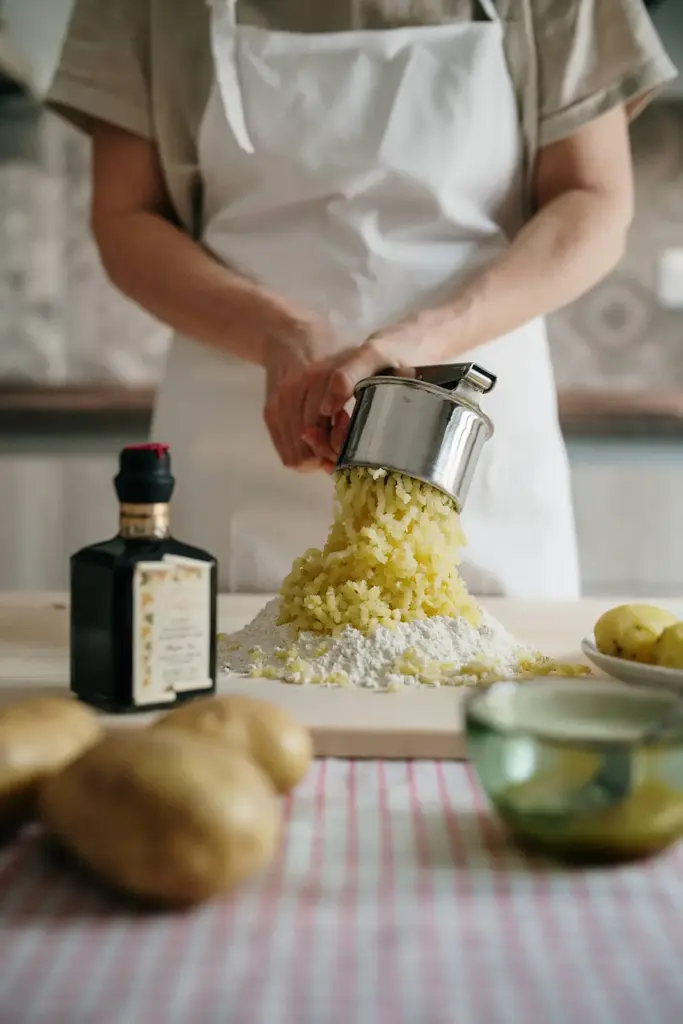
(631,631)
(38,736)
(270,737)
(669,648)
(164,816)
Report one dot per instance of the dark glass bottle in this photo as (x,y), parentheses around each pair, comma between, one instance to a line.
(143,605)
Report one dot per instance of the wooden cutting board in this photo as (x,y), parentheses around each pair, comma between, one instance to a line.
(425,723)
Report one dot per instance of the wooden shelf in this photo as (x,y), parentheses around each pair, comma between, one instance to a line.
(35,410)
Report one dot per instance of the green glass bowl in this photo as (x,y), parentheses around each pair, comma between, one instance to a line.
(535,744)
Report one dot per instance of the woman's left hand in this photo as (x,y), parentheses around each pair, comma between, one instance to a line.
(330,383)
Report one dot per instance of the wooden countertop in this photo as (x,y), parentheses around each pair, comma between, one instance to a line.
(103,399)
(357,723)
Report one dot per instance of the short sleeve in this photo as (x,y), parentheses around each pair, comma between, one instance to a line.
(593,56)
(104,68)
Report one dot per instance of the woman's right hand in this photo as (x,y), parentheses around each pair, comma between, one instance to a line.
(287,356)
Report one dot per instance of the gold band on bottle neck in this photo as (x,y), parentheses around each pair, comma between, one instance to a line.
(144,521)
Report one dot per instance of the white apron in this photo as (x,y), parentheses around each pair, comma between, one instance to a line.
(364,175)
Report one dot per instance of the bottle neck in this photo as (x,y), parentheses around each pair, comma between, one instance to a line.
(144,522)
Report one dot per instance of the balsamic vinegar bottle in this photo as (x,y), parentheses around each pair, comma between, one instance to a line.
(143,605)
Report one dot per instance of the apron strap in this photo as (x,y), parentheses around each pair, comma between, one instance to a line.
(522,53)
(224,30)
(490,10)
(531,102)
(230,6)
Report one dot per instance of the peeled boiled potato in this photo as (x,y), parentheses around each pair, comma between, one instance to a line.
(631,631)
(668,650)
(38,736)
(164,816)
(267,735)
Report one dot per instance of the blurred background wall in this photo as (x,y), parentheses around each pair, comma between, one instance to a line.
(78,363)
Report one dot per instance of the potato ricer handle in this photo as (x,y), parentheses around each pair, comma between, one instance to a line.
(450,377)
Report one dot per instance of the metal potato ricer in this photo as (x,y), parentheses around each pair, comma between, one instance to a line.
(429,426)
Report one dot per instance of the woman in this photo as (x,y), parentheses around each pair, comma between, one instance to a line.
(310,192)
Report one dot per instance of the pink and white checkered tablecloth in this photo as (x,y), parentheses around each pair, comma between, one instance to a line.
(395,900)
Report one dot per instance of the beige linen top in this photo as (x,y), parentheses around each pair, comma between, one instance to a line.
(146,66)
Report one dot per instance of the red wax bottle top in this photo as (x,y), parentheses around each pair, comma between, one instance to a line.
(159,449)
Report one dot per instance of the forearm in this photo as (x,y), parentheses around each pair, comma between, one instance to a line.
(162,269)
(566,249)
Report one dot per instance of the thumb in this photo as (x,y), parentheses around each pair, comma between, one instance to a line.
(362,363)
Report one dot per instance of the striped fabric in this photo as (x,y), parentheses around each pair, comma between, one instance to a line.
(395,901)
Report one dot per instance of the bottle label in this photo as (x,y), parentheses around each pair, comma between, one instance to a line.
(171,629)
(144,521)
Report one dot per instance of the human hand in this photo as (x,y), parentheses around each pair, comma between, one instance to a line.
(289,354)
(330,383)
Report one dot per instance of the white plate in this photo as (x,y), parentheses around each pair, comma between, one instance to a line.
(632,671)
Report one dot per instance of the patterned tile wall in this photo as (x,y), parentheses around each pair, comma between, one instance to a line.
(60,321)
(621,335)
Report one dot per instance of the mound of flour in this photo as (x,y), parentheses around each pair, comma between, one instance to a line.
(437,651)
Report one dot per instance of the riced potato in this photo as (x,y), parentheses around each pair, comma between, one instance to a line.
(391,556)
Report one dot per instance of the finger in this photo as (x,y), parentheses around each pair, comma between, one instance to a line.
(282,444)
(282,415)
(406,371)
(277,420)
(306,452)
(317,429)
(275,435)
(318,440)
(288,406)
(342,381)
(315,384)
(312,465)
(302,455)
(305,457)
(271,422)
